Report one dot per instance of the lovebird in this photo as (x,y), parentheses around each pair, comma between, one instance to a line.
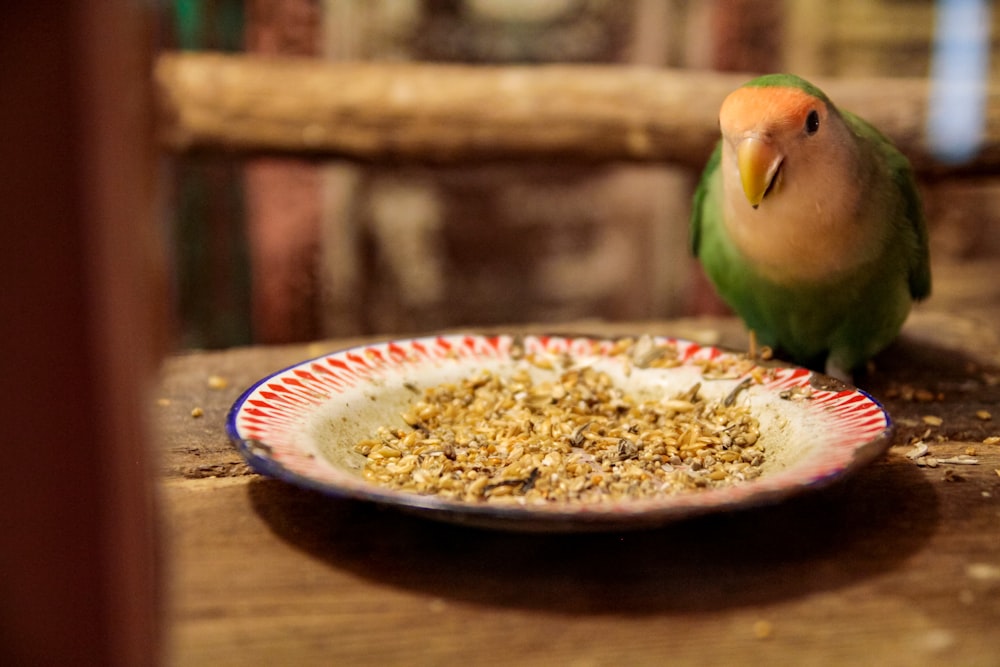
(808,222)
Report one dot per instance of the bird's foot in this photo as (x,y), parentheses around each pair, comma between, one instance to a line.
(838,372)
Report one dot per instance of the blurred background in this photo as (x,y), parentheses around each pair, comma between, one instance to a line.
(272,250)
(99,223)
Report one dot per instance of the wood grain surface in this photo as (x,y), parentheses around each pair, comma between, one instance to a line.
(898,565)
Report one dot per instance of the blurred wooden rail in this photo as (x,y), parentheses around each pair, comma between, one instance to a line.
(450,114)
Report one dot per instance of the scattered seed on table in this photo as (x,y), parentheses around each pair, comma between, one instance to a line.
(984,415)
(763,629)
(932,420)
(961,459)
(919,450)
(983,571)
(197,412)
(992,440)
(217,382)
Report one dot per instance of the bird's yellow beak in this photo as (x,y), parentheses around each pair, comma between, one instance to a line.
(758,163)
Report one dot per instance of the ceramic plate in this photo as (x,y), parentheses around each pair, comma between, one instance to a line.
(301,424)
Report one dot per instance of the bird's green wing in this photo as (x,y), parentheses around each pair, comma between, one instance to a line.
(914,226)
(698,206)
(920,262)
(915,223)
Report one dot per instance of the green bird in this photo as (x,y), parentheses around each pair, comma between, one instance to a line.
(808,222)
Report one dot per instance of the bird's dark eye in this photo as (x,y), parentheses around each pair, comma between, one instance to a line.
(812,122)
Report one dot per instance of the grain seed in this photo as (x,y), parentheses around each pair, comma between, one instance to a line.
(763,629)
(577,438)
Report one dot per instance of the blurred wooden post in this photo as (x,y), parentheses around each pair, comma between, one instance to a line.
(81,328)
(283,195)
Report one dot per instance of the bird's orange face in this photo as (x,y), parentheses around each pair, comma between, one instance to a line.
(764,125)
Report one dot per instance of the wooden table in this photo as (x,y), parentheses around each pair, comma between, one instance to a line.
(899,565)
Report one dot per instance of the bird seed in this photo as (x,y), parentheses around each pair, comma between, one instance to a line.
(574,438)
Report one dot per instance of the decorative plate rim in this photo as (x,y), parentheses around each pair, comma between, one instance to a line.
(316,381)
